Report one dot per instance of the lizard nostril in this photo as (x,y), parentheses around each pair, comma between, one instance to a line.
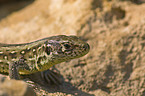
(86,46)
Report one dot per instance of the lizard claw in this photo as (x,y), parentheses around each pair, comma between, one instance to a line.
(51,77)
(44,78)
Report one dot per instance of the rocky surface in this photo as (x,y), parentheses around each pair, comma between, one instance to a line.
(115,30)
(14,88)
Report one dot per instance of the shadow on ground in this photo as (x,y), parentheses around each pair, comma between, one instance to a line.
(66,88)
(9,6)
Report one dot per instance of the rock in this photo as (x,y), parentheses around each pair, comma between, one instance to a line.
(14,88)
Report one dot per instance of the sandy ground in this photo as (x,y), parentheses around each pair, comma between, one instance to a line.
(115,30)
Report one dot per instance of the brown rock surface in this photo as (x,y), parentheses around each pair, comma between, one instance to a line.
(14,88)
(115,30)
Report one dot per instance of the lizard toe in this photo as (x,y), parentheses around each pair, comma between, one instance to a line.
(51,77)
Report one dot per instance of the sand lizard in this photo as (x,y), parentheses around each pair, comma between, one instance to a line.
(40,55)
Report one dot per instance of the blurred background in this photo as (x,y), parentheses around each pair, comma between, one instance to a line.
(115,30)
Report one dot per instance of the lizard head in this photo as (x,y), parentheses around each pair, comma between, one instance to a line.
(62,48)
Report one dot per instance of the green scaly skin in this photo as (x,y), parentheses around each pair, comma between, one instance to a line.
(38,56)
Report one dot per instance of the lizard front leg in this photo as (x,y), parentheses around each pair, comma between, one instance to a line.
(14,70)
(42,78)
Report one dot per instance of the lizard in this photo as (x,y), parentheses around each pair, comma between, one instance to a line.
(37,57)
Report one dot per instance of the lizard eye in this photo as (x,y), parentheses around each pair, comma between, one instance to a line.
(48,50)
(67,46)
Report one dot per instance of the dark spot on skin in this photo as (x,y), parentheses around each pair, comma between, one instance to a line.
(60,50)
(76,46)
(27,50)
(13,55)
(7,50)
(22,58)
(48,50)
(38,45)
(75,52)
(39,66)
(1,54)
(67,46)
(43,47)
(65,53)
(30,56)
(39,60)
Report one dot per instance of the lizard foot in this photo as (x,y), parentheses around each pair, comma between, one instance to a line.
(51,77)
(44,78)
